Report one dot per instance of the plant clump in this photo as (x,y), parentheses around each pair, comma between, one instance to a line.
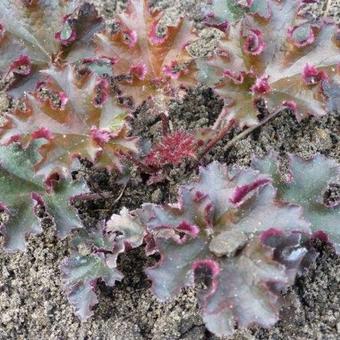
(272,54)
(221,233)
(75,85)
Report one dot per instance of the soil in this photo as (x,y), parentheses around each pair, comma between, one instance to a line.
(32,303)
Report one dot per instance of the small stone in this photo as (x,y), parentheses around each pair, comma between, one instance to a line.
(5,318)
(4,102)
(227,242)
(157,196)
(84,249)
(323,139)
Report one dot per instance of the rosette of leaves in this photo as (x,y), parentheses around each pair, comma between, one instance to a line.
(37,34)
(273,57)
(314,185)
(220,234)
(22,191)
(77,115)
(94,258)
(145,55)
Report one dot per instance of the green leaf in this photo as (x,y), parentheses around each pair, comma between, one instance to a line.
(308,182)
(225,10)
(34,26)
(21,189)
(261,8)
(80,274)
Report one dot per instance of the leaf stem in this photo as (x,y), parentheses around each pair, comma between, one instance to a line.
(237,138)
(221,134)
(120,195)
(246,132)
(165,123)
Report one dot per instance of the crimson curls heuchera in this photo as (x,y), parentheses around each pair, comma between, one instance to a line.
(76,85)
(78,117)
(228,232)
(273,55)
(33,37)
(146,59)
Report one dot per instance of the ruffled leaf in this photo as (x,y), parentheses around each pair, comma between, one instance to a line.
(263,59)
(307,186)
(42,34)
(147,58)
(94,258)
(34,26)
(240,293)
(80,274)
(128,226)
(21,190)
(211,236)
(295,251)
(78,30)
(78,118)
(174,271)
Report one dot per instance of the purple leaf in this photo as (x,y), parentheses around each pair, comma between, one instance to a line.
(212,236)
(240,292)
(80,275)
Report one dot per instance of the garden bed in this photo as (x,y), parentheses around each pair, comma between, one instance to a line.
(33,305)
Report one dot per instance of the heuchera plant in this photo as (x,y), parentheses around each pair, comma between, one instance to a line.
(146,56)
(272,57)
(242,235)
(38,34)
(75,113)
(218,234)
(63,113)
